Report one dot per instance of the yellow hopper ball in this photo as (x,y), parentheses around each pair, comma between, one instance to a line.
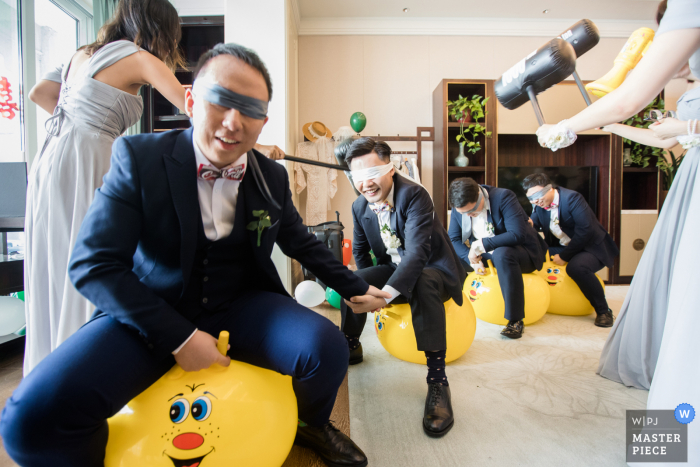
(218,417)
(633,51)
(484,291)
(566,296)
(394,328)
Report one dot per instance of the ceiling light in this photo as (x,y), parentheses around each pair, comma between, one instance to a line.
(406,10)
(545,11)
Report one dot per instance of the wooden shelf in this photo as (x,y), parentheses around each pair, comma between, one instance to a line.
(640,169)
(457,124)
(476,168)
(171,118)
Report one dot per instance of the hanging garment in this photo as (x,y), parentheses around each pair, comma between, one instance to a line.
(322,183)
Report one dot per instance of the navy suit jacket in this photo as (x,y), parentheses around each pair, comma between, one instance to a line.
(509,224)
(134,253)
(424,242)
(579,223)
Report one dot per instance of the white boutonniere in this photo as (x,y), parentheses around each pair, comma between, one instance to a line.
(489,228)
(389,238)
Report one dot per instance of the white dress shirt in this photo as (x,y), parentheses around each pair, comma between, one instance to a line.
(384,218)
(217,201)
(554,222)
(480,229)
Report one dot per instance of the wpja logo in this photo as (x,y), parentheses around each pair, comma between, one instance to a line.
(658,435)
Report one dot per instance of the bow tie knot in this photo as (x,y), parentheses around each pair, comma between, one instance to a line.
(381,207)
(551,206)
(207,172)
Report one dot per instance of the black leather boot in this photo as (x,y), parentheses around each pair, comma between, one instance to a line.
(336,449)
(438,418)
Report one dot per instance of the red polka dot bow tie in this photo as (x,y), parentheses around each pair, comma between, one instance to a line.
(207,172)
(551,206)
(381,207)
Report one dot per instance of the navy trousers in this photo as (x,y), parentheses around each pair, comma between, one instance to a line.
(582,269)
(511,262)
(427,306)
(57,416)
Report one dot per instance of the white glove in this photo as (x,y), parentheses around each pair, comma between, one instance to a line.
(559,136)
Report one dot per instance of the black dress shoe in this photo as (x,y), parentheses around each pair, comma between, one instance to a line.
(605,320)
(336,449)
(514,330)
(438,418)
(356,355)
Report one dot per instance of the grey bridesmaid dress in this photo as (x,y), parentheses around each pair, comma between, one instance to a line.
(631,352)
(76,155)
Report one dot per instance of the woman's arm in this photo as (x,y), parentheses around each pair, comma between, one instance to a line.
(640,135)
(158,75)
(667,55)
(45,94)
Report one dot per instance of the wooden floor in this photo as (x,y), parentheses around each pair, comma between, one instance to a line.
(12,355)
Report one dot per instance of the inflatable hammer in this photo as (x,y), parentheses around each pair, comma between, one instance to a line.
(633,51)
(582,36)
(537,72)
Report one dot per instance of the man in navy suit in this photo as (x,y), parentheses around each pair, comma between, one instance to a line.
(166,255)
(575,238)
(395,219)
(494,225)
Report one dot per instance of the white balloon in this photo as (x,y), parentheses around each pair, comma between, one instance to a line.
(309,293)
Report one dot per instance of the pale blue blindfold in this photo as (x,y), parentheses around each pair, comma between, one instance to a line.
(535,196)
(219,95)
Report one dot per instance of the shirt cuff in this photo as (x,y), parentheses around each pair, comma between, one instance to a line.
(183,344)
(394,293)
(477,248)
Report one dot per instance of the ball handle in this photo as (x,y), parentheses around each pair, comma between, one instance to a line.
(222,344)
(492,268)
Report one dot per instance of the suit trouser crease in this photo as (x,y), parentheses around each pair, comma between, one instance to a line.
(511,263)
(582,269)
(427,306)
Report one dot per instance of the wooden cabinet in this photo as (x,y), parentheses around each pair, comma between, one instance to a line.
(199,34)
(482,165)
(616,188)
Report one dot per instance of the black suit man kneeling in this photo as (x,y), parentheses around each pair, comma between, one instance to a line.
(496,227)
(395,219)
(575,238)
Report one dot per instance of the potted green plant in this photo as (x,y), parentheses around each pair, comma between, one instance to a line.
(669,167)
(467,111)
(640,155)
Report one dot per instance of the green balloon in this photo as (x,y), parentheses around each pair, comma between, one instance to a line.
(333,298)
(358,121)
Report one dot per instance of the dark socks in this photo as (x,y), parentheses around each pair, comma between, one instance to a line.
(353,342)
(436,367)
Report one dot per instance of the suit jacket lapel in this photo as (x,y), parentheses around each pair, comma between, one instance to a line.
(254,201)
(374,237)
(181,170)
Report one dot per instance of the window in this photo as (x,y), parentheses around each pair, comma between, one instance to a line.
(35,37)
(11,117)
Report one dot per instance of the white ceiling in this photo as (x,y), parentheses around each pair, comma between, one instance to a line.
(643,10)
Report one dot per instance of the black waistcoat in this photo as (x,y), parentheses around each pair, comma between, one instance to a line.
(223,270)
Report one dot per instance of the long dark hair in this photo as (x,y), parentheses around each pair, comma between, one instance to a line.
(153,25)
